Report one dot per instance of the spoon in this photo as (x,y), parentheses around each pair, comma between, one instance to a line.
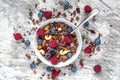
(92,14)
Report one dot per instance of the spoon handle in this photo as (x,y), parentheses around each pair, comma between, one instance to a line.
(92,14)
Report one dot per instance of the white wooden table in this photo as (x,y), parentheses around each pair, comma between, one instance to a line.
(15,66)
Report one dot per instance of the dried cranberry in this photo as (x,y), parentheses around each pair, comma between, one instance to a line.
(78,10)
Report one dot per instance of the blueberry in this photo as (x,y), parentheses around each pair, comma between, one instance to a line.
(97,41)
(51,49)
(74,69)
(86,23)
(69,29)
(47,55)
(52,30)
(39,41)
(40,14)
(69,54)
(66,4)
(32,66)
(27,43)
(48,69)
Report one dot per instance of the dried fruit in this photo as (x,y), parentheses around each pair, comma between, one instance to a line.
(78,10)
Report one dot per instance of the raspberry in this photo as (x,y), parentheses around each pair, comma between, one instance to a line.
(88,50)
(40,14)
(67,40)
(40,33)
(87,9)
(97,68)
(54,60)
(78,10)
(55,73)
(53,43)
(47,14)
(18,36)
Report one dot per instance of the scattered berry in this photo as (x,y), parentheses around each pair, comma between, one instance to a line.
(40,14)
(97,41)
(18,36)
(27,43)
(34,71)
(92,43)
(66,4)
(88,50)
(47,14)
(86,24)
(87,9)
(48,69)
(74,69)
(32,66)
(97,68)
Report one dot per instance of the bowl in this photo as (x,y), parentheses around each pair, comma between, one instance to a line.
(67,62)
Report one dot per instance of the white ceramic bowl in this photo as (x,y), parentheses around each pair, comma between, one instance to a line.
(70,60)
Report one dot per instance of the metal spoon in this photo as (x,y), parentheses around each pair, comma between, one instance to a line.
(92,14)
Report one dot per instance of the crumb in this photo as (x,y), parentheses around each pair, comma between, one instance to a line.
(71,6)
(110,25)
(64,74)
(74,13)
(77,18)
(75,24)
(44,0)
(64,14)
(35,5)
